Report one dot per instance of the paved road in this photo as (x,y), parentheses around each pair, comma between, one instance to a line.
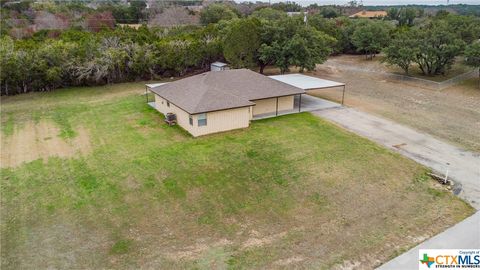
(464,169)
(463,166)
(465,234)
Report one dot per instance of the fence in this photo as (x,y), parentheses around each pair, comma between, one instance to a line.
(416,81)
(432,84)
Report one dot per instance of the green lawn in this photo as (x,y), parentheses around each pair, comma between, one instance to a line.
(294,191)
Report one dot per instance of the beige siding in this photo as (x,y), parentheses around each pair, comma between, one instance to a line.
(222,121)
(227,119)
(285,103)
(264,106)
(182,116)
(216,121)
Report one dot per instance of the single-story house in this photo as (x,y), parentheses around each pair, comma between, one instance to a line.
(223,100)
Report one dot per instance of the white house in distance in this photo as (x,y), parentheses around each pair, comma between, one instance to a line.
(218,101)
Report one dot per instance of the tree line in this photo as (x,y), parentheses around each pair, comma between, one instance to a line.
(267,37)
(76,57)
(433,45)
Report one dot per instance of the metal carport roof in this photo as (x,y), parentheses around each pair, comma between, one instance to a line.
(306,82)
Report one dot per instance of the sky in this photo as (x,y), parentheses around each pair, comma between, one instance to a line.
(382,2)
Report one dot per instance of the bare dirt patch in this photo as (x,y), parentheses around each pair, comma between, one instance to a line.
(195,251)
(40,140)
(258,242)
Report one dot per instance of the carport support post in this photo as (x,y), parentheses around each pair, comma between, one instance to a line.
(276,108)
(300,103)
(343,94)
(146,92)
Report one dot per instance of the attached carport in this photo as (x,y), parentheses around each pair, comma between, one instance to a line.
(148,88)
(309,83)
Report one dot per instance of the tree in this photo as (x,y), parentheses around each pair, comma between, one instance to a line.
(98,21)
(216,12)
(173,16)
(371,36)
(8,64)
(241,42)
(472,57)
(467,27)
(402,51)
(309,47)
(329,12)
(437,48)
(269,14)
(404,15)
(393,13)
(336,28)
(274,36)
(287,6)
(290,42)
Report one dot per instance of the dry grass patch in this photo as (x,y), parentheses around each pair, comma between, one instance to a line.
(32,141)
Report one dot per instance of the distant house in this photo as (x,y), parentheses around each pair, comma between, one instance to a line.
(195,8)
(223,100)
(295,13)
(130,25)
(174,16)
(369,14)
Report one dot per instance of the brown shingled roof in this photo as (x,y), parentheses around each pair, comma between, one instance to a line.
(220,90)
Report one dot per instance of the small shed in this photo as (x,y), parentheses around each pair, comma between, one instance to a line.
(218,66)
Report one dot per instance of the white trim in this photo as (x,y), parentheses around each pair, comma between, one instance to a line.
(153,85)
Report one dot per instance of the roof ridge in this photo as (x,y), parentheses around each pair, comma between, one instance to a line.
(215,88)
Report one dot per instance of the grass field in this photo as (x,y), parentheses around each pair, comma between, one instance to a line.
(106,184)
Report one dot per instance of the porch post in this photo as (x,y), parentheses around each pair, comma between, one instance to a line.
(276,109)
(146,93)
(300,103)
(343,94)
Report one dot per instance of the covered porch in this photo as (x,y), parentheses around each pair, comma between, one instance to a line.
(310,83)
(302,103)
(150,98)
(306,102)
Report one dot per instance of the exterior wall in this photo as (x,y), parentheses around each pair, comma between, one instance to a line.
(264,106)
(222,121)
(216,121)
(286,103)
(182,116)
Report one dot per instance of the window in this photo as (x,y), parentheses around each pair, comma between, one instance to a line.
(190,120)
(202,119)
(168,104)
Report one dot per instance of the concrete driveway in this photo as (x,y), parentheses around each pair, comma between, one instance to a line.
(463,166)
(311,103)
